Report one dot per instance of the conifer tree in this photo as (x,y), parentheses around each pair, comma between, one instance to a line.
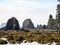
(51,22)
(58,16)
(58,0)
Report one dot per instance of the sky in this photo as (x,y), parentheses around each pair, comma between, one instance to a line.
(36,10)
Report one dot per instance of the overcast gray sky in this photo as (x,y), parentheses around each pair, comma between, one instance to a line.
(37,10)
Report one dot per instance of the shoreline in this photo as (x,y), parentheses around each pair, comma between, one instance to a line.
(40,36)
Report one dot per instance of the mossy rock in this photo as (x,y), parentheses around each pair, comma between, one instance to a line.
(12,41)
(29,40)
(20,39)
(3,42)
(58,44)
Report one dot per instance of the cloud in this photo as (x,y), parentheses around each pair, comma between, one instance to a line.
(38,12)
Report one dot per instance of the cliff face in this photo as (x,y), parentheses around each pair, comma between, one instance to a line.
(12,24)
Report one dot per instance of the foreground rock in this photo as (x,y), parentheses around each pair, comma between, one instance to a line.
(3,42)
(40,36)
(27,24)
(12,24)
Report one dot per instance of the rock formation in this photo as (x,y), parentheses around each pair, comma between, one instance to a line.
(27,24)
(12,24)
(39,26)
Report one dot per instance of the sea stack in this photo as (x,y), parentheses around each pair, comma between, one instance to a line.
(12,24)
(27,24)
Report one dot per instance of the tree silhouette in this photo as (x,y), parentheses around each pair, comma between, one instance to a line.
(58,0)
(51,22)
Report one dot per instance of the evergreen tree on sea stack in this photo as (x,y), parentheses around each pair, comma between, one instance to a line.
(58,16)
(58,0)
(51,22)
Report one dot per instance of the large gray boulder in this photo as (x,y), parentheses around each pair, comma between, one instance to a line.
(12,24)
(27,24)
